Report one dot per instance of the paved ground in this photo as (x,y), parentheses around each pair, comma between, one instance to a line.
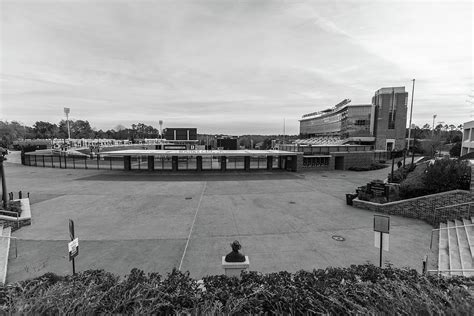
(155,222)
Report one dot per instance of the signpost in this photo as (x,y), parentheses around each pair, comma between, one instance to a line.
(381,233)
(73,246)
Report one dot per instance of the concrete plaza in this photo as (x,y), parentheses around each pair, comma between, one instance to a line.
(154,222)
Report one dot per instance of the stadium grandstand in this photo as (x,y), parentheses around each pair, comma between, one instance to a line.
(353,135)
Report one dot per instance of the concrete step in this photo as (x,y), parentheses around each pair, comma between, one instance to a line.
(443,253)
(464,250)
(4,252)
(454,256)
(469,234)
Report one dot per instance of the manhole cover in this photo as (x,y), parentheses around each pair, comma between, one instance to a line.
(338,238)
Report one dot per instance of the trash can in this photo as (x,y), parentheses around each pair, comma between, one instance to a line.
(350,197)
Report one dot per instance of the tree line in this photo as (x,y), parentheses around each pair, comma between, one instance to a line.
(13,131)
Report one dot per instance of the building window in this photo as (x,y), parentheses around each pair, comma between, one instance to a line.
(361,122)
(391,113)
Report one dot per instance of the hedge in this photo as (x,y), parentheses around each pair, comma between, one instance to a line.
(358,289)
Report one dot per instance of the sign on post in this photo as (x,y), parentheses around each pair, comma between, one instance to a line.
(73,248)
(381,233)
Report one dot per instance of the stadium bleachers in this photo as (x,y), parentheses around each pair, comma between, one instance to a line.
(320,140)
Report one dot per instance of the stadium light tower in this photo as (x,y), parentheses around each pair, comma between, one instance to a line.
(161,129)
(66,111)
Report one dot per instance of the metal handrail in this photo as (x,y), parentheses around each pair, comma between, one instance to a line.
(454,205)
(14,213)
(468,225)
(16,246)
(451,270)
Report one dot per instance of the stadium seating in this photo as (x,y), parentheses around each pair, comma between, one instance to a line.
(320,140)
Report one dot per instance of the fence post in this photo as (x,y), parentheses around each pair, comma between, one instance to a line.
(60,162)
(110,163)
(36,163)
(98,158)
(65,162)
(73,162)
(43,161)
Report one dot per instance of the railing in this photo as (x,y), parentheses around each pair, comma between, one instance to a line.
(449,270)
(438,229)
(440,215)
(15,214)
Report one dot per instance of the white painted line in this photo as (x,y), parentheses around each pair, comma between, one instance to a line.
(192,226)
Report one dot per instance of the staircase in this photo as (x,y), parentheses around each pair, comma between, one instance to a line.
(456,247)
(5,233)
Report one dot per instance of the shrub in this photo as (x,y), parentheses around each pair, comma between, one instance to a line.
(374,166)
(440,176)
(401,173)
(445,175)
(358,289)
(455,151)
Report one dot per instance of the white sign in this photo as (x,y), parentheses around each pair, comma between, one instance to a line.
(385,240)
(72,246)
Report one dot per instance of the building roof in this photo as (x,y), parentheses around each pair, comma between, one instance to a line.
(167,153)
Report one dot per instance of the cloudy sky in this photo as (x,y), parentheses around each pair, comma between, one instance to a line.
(234,67)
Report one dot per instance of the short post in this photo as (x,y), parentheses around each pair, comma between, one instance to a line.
(393,165)
(425,265)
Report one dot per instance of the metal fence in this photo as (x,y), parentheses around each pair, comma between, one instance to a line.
(141,162)
(73,162)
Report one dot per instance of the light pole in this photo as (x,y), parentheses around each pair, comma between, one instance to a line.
(411,112)
(4,184)
(66,111)
(432,133)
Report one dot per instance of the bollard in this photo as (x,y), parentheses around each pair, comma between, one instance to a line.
(20,195)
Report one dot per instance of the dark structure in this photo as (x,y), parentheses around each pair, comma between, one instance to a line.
(227,143)
(180,133)
(235,255)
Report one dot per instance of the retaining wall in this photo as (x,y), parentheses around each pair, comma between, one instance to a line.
(425,207)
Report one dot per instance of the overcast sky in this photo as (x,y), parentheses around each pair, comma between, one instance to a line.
(232,67)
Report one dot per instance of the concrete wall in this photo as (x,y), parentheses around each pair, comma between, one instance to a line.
(354,159)
(425,207)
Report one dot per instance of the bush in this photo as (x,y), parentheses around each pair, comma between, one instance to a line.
(446,174)
(358,289)
(455,151)
(440,176)
(401,173)
(374,166)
